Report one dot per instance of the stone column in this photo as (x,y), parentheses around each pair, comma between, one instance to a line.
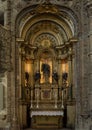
(22,76)
(73,77)
(13,75)
(55,67)
(21,66)
(20,62)
(74,62)
(60,73)
(71,62)
(31,98)
(23,70)
(7,14)
(70,74)
(32,72)
(7,23)
(32,66)
(90,54)
(38,65)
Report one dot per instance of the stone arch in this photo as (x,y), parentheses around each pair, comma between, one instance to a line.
(27,18)
(53,29)
(53,18)
(65,14)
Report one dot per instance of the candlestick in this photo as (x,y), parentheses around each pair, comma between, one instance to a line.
(37,66)
(31,100)
(62,100)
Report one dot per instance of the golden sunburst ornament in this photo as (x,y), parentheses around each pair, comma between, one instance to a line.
(46,43)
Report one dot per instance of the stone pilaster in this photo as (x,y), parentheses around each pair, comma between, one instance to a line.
(60,73)
(32,73)
(70,74)
(89,7)
(73,76)
(7,23)
(72,65)
(7,14)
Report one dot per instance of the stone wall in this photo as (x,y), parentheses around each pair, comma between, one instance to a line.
(3,101)
(83,59)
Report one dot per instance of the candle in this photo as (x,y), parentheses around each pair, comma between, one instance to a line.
(27,67)
(63,67)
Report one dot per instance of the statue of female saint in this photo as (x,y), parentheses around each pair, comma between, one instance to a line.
(45,68)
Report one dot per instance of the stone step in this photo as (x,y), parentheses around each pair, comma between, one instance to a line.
(48,129)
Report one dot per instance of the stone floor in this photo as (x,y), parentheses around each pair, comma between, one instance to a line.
(49,129)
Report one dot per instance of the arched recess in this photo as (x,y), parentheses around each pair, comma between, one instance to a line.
(40,31)
(63,16)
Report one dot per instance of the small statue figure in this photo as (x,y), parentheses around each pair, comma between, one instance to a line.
(55,76)
(45,68)
(65,76)
(37,76)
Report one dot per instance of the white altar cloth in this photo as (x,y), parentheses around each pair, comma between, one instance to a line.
(46,113)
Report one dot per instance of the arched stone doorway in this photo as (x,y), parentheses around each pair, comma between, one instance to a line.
(46,34)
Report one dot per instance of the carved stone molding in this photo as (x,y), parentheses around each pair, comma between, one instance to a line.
(77,6)
(68,2)
(48,4)
(88,5)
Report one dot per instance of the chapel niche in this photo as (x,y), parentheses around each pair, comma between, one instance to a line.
(47,71)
